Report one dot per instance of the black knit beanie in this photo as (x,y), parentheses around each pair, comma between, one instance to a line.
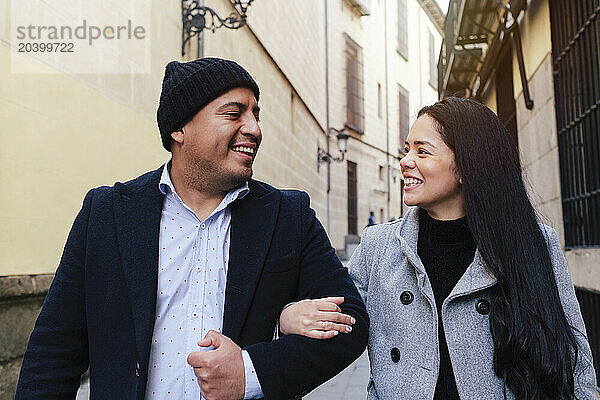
(187,87)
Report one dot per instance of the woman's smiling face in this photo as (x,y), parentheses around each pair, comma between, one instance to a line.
(430,178)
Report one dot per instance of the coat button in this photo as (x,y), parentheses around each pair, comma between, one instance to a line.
(406,297)
(395,353)
(137,369)
(482,306)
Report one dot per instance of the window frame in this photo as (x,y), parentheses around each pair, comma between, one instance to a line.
(355,100)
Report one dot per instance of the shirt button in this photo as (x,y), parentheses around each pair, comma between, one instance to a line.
(198,268)
(203,226)
(194,314)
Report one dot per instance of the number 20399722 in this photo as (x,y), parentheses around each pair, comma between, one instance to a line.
(50,47)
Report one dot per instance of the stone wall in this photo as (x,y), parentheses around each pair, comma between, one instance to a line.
(21,298)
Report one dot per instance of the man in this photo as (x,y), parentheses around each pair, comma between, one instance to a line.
(170,285)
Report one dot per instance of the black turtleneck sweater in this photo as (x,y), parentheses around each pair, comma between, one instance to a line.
(446,249)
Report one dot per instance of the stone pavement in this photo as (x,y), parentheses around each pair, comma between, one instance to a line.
(350,384)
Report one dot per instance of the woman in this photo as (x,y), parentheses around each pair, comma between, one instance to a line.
(469,297)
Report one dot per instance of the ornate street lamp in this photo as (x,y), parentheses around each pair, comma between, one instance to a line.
(324,157)
(195,18)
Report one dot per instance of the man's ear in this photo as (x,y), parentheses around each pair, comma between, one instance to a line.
(178,136)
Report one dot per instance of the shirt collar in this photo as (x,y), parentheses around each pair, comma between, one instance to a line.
(165,185)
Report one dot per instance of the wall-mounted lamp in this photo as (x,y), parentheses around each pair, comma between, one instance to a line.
(342,140)
(195,18)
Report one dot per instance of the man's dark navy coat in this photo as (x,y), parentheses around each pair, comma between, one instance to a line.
(100,309)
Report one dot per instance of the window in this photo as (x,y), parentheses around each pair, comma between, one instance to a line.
(403,29)
(381,173)
(433,72)
(354,86)
(577,95)
(403,118)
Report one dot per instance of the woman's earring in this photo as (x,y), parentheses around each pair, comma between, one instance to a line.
(460,180)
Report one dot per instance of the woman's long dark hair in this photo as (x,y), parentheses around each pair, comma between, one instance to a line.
(534,347)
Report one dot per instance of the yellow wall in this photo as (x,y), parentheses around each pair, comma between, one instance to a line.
(62,134)
(59,138)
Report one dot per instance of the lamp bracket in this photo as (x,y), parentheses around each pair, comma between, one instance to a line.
(324,157)
(195,18)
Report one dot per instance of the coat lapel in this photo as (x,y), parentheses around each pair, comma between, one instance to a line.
(252,224)
(408,234)
(477,277)
(138,207)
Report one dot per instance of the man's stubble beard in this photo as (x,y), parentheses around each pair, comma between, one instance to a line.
(202,176)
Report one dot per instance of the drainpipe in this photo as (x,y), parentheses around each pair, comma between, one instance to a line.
(387,114)
(327,115)
(516,41)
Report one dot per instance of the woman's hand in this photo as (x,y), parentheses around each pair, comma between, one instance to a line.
(317,319)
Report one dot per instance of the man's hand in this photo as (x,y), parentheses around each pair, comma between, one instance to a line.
(220,372)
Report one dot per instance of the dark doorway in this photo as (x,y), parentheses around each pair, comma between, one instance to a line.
(352,200)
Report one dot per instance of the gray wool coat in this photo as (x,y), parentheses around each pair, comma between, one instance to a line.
(403,336)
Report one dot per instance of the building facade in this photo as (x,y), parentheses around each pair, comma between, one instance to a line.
(365,67)
(536,64)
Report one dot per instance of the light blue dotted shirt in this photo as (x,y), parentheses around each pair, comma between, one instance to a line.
(192,274)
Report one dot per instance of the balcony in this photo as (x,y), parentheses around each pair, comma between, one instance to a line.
(474,32)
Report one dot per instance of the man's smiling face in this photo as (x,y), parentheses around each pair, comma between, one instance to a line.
(220,143)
